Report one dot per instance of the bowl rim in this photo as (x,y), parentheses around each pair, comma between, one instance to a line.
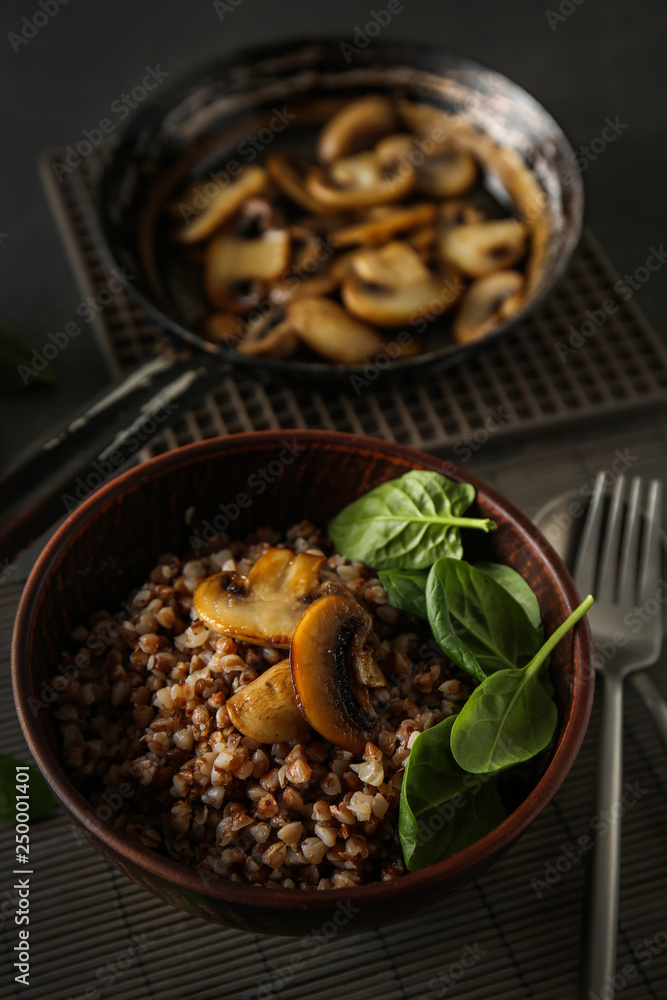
(454,869)
(327,372)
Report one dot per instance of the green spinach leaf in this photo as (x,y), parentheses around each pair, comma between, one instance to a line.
(515,585)
(406,589)
(39,794)
(476,621)
(442,809)
(407,523)
(510,717)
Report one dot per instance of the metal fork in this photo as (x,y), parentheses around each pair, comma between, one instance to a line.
(621,567)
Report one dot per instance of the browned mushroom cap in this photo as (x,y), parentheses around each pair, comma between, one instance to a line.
(487,302)
(231,260)
(382,222)
(266,708)
(251,180)
(289,173)
(360,181)
(390,285)
(356,126)
(326,641)
(330,331)
(482,247)
(265,338)
(279,587)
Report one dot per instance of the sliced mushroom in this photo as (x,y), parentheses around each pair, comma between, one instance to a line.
(487,302)
(266,708)
(358,182)
(330,331)
(279,587)
(231,261)
(383,222)
(289,173)
(443,169)
(481,247)
(356,126)
(266,338)
(309,272)
(458,212)
(448,173)
(250,181)
(326,641)
(390,285)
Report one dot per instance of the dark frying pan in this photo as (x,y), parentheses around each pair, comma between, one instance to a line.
(196,128)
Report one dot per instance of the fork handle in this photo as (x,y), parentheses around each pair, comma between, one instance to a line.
(605,873)
(653,701)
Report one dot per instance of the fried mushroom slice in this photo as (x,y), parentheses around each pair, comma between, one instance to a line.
(250,181)
(390,285)
(479,248)
(279,587)
(383,222)
(330,331)
(360,181)
(222,328)
(289,173)
(443,169)
(327,640)
(266,709)
(357,126)
(488,301)
(232,261)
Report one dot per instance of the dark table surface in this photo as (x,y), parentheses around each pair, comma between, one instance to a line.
(586,61)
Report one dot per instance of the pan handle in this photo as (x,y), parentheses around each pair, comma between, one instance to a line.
(57,473)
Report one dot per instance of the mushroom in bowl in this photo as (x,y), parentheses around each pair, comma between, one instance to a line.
(185,499)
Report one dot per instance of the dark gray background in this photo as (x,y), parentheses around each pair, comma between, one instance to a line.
(604,59)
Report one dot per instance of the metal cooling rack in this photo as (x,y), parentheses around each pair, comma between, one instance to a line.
(519,383)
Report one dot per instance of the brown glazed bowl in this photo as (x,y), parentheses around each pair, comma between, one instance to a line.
(107,546)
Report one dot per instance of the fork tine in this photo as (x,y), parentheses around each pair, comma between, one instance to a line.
(611,545)
(584,569)
(629,552)
(651,555)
